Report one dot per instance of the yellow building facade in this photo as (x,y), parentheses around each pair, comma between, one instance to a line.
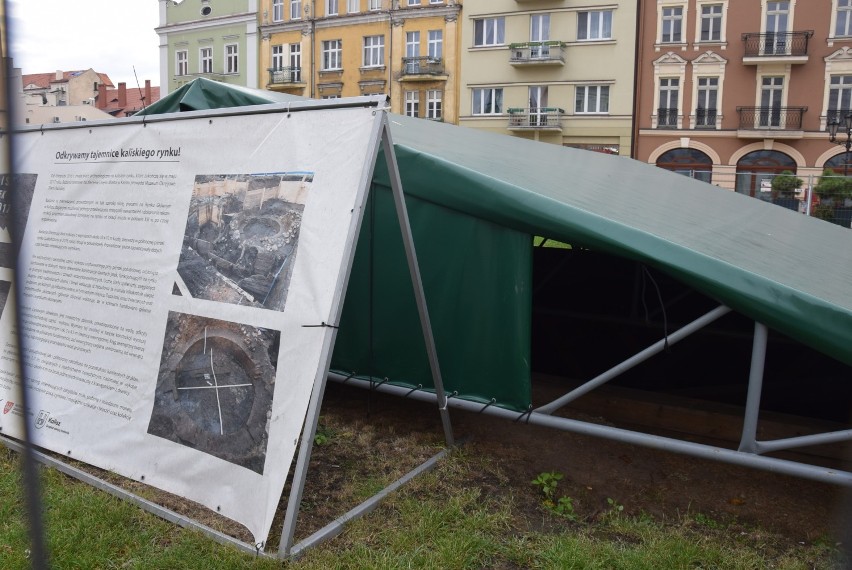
(405,49)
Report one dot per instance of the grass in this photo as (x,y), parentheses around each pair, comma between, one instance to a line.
(443,519)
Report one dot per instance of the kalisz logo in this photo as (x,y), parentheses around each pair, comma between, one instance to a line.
(42,419)
(8,407)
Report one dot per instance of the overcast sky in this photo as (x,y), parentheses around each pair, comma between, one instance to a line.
(110,36)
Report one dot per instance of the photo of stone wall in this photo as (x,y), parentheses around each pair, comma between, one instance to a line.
(215,388)
(241,238)
(16,197)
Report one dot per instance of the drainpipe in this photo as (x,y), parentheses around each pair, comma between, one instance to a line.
(634,131)
(313,49)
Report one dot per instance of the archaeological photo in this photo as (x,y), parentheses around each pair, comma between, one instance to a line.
(241,238)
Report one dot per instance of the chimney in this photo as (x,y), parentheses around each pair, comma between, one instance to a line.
(59,75)
(122,94)
(102,96)
(147,100)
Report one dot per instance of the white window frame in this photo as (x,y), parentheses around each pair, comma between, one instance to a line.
(838,7)
(277,10)
(723,24)
(709,65)
(480,105)
(594,33)
(483,27)
(182,62)
(374,5)
(435,43)
(436,1)
(592,99)
(205,60)
(699,99)
(374,51)
(332,53)
(673,20)
(434,104)
(412,44)
(295,9)
(232,59)
(414,2)
(715,22)
(353,6)
(278,56)
(332,7)
(412,103)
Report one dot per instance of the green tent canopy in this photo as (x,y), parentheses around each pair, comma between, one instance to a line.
(477,198)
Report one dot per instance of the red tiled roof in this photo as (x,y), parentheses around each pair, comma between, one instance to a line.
(43,80)
(134,97)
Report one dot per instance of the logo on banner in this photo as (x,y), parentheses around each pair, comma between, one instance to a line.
(42,419)
(8,407)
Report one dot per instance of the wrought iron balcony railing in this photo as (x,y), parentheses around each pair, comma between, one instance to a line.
(836,115)
(537,52)
(284,75)
(781,118)
(536,118)
(777,44)
(705,119)
(422,66)
(667,118)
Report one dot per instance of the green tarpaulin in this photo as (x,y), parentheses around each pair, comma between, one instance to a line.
(477,198)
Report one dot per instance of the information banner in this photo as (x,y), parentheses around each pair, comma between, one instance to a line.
(177,277)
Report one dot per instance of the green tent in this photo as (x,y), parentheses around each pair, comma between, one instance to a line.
(475,201)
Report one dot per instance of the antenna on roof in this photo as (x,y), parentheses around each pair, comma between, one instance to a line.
(141,94)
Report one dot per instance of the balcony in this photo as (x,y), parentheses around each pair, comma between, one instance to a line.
(537,53)
(704,119)
(771,122)
(422,69)
(667,118)
(782,47)
(536,119)
(284,77)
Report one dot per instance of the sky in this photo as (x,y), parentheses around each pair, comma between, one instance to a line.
(109,36)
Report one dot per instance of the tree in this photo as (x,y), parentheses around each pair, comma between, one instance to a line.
(833,187)
(785,184)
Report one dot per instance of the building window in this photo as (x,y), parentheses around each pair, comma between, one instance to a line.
(436,43)
(412,103)
(667,110)
(488,101)
(706,107)
(489,32)
(295,9)
(412,44)
(711,23)
(278,57)
(592,99)
(375,5)
(331,7)
(434,109)
(688,162)
(672,25)
(844,18)
(596,25)
(332,50)
(205,60)
(296,62)
(232,59)
(277,10)
(436,1)
(414,2)
(771,97)
(374,51)
(353,6)
(839,98)
(181,62)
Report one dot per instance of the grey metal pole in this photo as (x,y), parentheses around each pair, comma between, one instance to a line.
(417,283)
(755,387)
(634,360)
(803,441)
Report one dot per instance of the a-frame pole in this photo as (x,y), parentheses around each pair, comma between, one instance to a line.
(414,269)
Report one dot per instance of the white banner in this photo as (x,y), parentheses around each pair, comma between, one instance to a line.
(176,277)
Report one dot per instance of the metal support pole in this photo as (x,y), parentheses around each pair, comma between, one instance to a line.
(414,269)
(755,386)
(803,441)
(635,360)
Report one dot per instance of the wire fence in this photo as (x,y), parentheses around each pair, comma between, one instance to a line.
(824,196)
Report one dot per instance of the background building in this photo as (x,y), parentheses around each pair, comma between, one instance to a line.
(736,93)
(216,39)
(405,49)
(555,71)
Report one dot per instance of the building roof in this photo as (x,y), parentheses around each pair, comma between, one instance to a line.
(133,100)
(43,80)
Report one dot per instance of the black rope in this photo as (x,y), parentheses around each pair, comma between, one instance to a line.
(491,403)
(528,413)
(647,273)
(413,390)
(323,324)
(348,378)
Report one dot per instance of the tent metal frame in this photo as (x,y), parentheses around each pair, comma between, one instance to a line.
(286,547)
(750,451)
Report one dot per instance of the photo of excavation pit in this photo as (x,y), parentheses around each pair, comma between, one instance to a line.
(14,212)
(5,286)
(215,388)
(241,237)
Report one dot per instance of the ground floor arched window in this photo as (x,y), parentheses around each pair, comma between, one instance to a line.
(689,162)
(756,170)
(840,163)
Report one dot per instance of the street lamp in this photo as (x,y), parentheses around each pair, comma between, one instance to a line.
(833,125)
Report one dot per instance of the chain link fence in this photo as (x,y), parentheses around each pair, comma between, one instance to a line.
(826,196)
